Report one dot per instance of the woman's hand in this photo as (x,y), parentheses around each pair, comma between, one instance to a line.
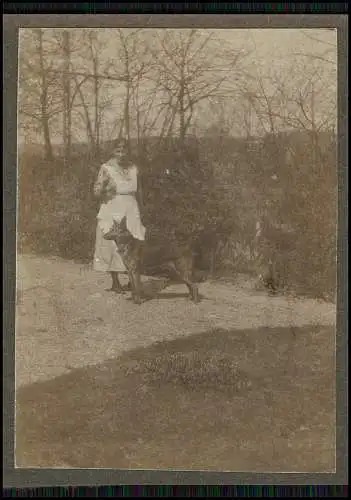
(100,184)
(108,193)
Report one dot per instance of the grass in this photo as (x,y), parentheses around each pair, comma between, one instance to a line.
(249,400)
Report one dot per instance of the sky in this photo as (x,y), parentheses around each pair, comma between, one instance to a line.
(272,46)
(270,50)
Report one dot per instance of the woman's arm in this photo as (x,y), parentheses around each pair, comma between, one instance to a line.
(104,187)
(100,182)
(139,195)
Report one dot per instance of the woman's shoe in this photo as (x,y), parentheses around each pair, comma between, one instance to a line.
(127,287)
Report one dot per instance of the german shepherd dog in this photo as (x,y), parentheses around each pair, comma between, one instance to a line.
(174,261)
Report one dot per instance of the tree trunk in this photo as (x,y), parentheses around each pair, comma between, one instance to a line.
(128,80)
(44,101)
(88,124)
(97,118)
(212,262)
(181,98)
(126,114)
(314,130)
(181,120)
(67,115)
(47,140)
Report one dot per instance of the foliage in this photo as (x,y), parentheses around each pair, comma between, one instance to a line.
(181,197)
(56,210)
(217,203)
(306,204)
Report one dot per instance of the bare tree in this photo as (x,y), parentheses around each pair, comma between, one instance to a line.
(66,85)
(326,39)
(90,76)
(132,67)
(189,69)
(303,97)
(38,97)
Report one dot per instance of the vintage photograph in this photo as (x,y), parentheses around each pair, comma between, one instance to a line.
(176,249)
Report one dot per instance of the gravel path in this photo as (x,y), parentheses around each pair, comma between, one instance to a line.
(66,319)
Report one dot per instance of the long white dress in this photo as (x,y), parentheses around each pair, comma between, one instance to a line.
(122,204)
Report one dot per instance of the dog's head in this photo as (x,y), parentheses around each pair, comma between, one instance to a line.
(119,232)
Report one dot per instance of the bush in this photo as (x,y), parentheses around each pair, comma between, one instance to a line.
(56,209)
(214,196)
(182,201)
(306,261)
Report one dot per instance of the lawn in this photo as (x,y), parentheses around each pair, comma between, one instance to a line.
(241,400)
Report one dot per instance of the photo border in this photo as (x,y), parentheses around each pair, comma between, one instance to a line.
(20,478)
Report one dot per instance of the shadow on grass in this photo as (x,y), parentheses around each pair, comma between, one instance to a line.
(155,289)
(248,400)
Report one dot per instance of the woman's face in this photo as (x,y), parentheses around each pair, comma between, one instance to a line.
(120,153)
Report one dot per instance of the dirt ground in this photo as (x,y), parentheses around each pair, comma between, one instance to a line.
(241,381)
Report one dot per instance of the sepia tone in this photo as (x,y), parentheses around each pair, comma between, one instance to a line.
(233,133)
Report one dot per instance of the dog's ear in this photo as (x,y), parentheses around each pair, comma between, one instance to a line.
(123,224)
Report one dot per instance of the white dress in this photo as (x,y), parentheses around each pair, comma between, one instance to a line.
(122,204)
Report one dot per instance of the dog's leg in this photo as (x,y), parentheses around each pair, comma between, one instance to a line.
(126,253)
(135,281)
(183,269)
(132,264)
(135,292)
(137,286)
(137,270)
(193,289)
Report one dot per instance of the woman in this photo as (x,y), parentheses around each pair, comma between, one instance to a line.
(116,187)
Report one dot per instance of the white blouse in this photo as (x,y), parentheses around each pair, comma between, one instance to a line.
(123,203)
(125,181)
